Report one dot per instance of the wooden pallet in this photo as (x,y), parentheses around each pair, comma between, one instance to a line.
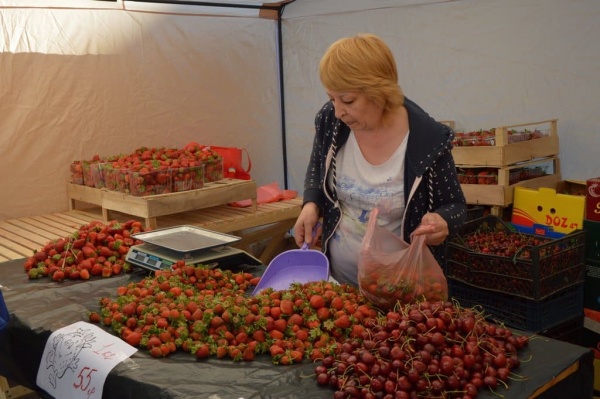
(150,207)
(20,237)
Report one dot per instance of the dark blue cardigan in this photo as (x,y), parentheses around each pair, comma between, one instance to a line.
(428,154)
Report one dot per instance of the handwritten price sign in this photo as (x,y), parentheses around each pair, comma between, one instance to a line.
(77,360)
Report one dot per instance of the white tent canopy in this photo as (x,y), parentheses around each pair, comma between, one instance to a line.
(84,77)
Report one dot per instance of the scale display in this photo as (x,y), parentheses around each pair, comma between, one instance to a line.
(145,258)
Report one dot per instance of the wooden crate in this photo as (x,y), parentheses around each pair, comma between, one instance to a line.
(150,207)
(449,123)
(505,153)
(502,194)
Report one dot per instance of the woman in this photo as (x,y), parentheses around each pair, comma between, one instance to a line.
(371,145)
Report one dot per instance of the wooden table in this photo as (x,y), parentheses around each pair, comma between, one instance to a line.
(153,206)
(554,369)
(20,237)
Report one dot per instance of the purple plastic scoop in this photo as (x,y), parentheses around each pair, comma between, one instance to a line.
(295,266)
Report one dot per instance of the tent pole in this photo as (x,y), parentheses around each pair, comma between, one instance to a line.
(282,99)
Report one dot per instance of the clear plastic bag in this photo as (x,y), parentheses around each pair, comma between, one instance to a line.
(390,270)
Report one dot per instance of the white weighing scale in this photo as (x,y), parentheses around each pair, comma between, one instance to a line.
(162,248)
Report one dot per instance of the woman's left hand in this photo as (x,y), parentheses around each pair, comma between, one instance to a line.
(434,227)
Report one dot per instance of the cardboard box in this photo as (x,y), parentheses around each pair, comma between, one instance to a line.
(591,339)
(551,212)
(571,187)
(592,199)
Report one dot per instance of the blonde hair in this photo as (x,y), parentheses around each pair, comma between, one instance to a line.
(363,63)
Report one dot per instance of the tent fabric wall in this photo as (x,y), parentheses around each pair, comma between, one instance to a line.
(76,82)
(482,63)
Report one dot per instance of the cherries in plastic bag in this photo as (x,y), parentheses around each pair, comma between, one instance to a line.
(390,270)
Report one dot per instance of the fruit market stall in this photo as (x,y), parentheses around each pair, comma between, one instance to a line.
(549,368)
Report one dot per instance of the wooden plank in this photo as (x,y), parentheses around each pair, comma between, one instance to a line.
(225,214)
(18,243)
(14,247)
(213,194)
(199,199)
(115,201)
(39,237)
(78,217)
(60,230)
(528,150)
(187,217)
(4,259)
(56,218)
(5,252)
(86,194)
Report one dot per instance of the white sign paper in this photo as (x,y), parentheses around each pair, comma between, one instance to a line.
(77,360)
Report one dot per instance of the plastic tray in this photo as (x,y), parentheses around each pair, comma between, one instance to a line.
(186,238)
(295,266)
(475,212)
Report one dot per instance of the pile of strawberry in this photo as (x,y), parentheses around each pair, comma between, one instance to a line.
(149,171)
(95,249)
(205,312)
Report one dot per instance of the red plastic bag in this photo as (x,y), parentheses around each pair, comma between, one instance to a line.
(232,162)
(390,270)
(268,193)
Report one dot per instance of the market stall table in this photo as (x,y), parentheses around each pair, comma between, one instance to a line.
(39,307)
(269,222)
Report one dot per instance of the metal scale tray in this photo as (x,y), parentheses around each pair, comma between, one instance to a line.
(186,238)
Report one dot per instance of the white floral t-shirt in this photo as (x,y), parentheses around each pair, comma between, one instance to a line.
(361,187)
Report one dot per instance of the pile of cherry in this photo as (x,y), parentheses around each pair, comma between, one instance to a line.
(425,350)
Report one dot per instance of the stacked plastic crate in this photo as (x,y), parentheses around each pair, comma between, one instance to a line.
(527,282)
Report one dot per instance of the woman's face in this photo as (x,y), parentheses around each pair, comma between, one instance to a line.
(356,110)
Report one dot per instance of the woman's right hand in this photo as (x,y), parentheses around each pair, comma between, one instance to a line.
(309,215)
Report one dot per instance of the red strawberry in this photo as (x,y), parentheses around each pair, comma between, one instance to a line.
(130,309)
(317,302)
(94,317)
(134,339)
(156,352)
(342,322)
(202,352)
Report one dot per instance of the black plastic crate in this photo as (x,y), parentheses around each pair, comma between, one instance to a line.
(534,272)
(475,212)
(518,312)
(570,331)
(591,298)
(592,242)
